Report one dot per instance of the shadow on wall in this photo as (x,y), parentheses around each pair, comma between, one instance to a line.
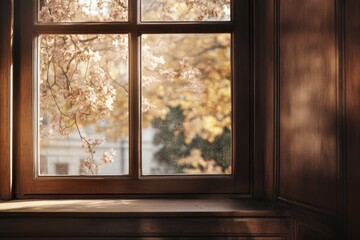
(308,104)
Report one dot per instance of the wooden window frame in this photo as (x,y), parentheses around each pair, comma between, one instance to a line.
(28,185)
(6,96)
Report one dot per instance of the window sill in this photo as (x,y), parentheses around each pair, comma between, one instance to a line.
(141,207)
(130,218)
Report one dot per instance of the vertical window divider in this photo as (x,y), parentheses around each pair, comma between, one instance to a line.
(134,97)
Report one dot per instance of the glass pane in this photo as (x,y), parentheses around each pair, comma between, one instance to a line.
(185,10)
(186,104)
(83,11)
(83,105)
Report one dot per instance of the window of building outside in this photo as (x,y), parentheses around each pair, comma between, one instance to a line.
(129,97)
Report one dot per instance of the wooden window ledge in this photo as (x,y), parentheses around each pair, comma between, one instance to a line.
(128,218)
(149,207)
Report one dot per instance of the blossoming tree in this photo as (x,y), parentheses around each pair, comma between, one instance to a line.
(84,79)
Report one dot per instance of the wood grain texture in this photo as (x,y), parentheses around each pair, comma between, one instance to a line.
(264,71)
(306,231)
(23,98)
(6,30)
(308,112)
(352,29)
(145,218)
(206,207)
(42,225)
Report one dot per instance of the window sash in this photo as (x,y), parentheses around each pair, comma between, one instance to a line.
(239,182)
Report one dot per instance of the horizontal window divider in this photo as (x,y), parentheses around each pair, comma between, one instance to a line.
(86,178)
(246,197)
(181,177)
(96,28)
(128,177)
(130,186)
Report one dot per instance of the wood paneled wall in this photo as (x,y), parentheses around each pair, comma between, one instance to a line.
(299,66)
(352,97)
(308,110)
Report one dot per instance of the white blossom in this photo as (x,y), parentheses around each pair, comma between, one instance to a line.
(108,157)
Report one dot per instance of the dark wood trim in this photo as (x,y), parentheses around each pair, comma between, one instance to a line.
(127,186)
(241,111)
(264,89)
(135,95)
(352,117)
(306,209)
(257,141)
(276,131)
(167,227)
(136,196)
(23,102)
(6,81)
(341,114)
(130,27)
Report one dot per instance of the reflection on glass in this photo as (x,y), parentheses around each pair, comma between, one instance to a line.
(83,105)
(185,10)
(186,104)
(83,11)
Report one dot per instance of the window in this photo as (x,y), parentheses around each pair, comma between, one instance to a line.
(62,168)
(133,97)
